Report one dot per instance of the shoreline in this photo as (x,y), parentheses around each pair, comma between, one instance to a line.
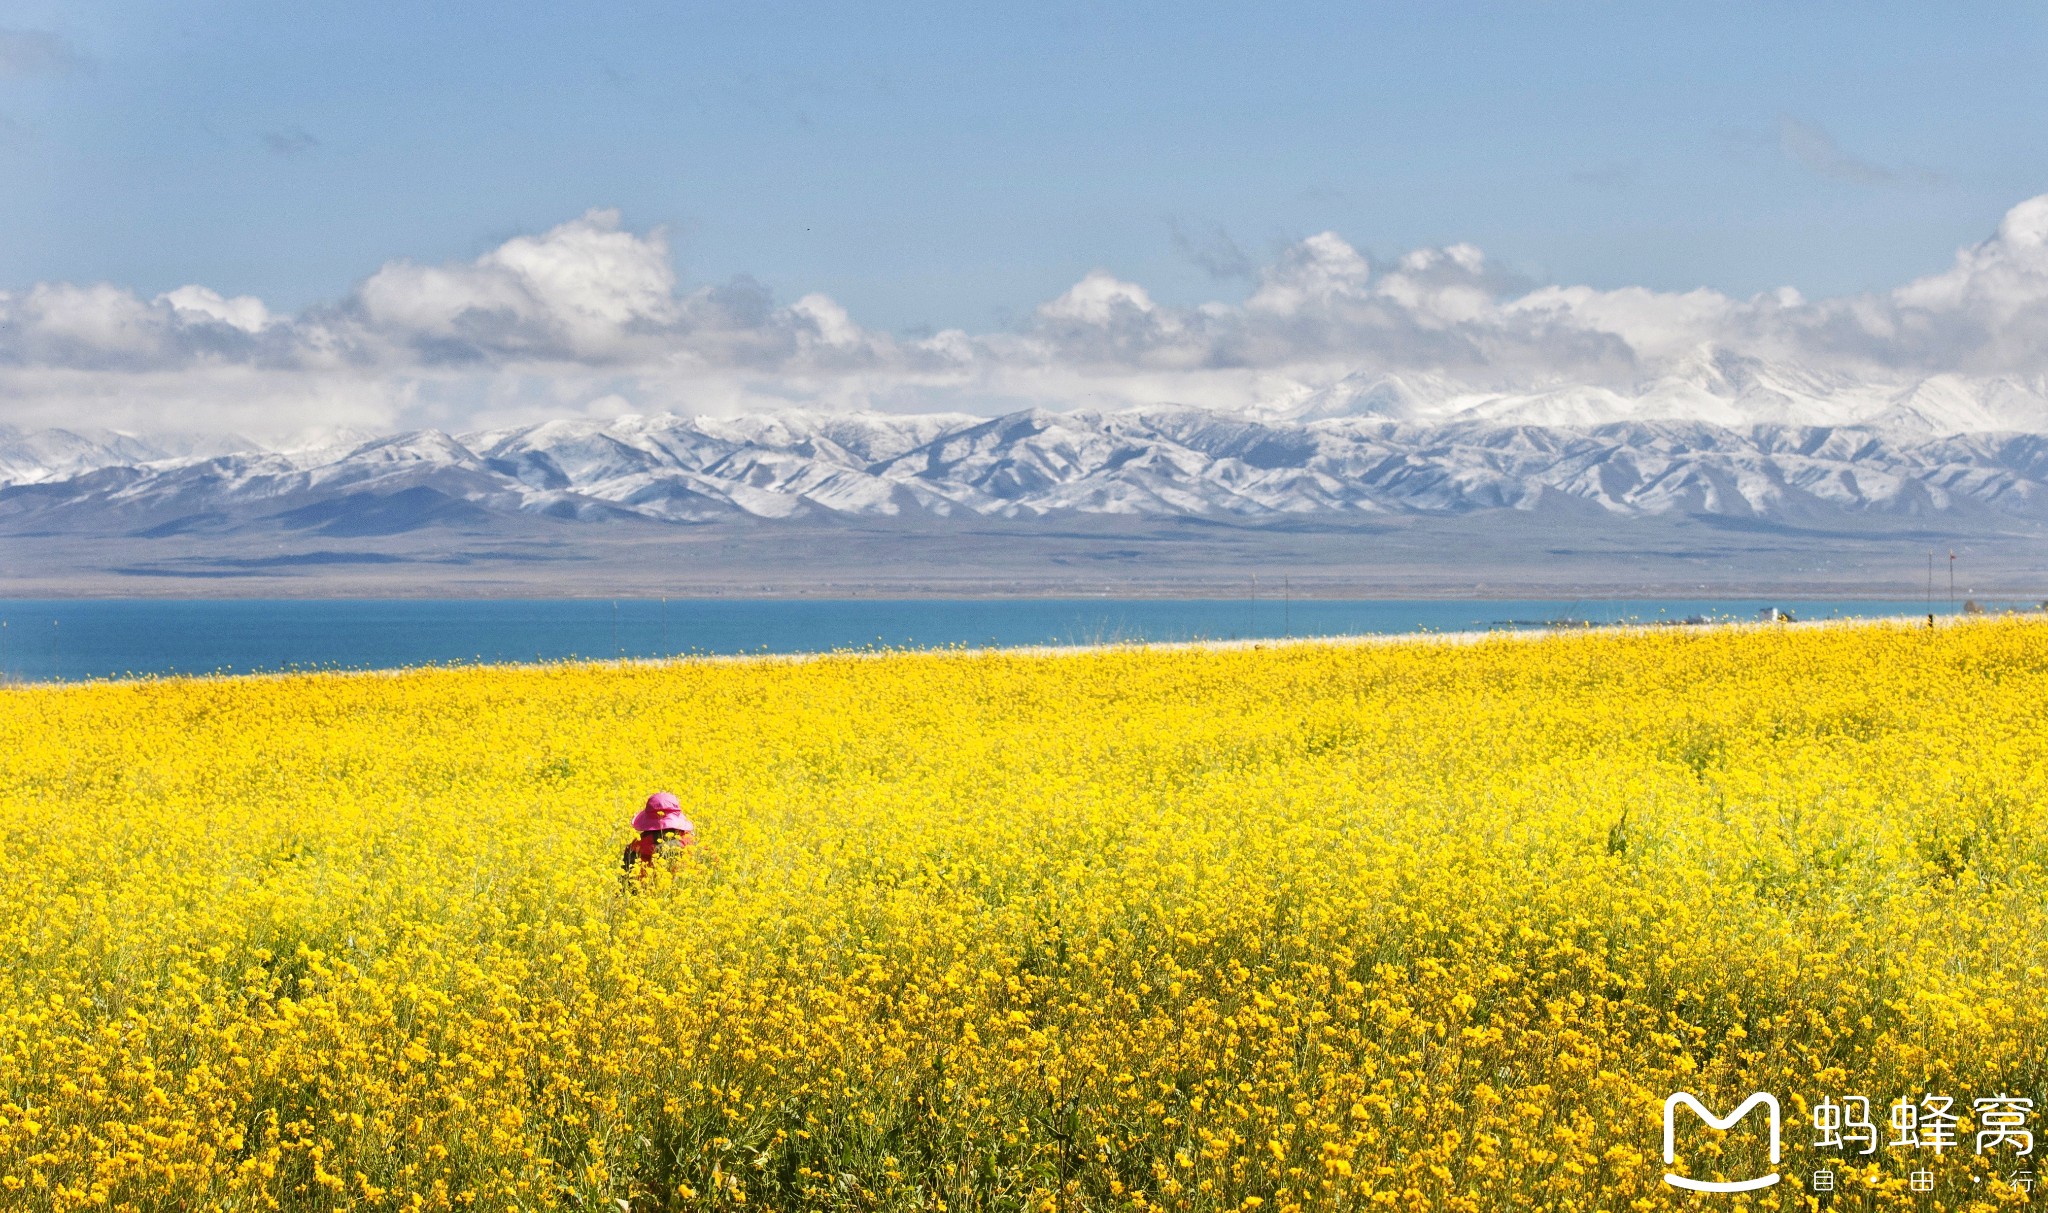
(1276,586)
(1353,640)
(1207,593)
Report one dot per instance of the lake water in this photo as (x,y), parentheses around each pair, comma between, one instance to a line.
(67,640)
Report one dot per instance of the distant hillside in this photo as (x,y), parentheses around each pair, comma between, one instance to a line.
(1800,477)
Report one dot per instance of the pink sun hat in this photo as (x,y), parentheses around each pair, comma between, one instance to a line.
(663,812)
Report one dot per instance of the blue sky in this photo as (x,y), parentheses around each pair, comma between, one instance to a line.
(374,215)
(951,165)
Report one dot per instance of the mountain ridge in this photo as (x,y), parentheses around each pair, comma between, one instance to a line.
(1713,433)
(1037,463)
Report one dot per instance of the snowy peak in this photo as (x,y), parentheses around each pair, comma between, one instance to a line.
(1157,462)
(1710,432)
(28,457)
(1709,383)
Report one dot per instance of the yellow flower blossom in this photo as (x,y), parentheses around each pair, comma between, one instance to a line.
(1410,926)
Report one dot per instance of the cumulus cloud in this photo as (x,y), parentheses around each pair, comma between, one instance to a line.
(590,315)
(578,293)
(1986,313)
(245,313)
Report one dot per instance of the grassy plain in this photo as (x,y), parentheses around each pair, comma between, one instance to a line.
(1410,926)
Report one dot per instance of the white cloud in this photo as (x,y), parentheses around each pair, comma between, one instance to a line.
(1652,324)
(244,312)
(830,324)
(1100,298)
(1988,313)
(1315,273)
(1998,278)
(59,324)
(583,292)
(589,315)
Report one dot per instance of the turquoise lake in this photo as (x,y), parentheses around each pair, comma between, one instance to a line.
(68,640)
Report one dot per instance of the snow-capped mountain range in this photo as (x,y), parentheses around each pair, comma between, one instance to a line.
(1720,435)
(1711,385)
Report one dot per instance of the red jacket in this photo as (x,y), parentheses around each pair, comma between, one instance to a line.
(645,849)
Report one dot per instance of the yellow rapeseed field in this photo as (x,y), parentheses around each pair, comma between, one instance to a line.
(1411,926)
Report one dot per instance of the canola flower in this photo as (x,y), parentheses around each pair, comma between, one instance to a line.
(1407,926)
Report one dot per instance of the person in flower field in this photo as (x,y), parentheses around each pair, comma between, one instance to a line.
(664,833)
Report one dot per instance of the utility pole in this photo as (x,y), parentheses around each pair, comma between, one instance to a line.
(1930,576)
(1951,578)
